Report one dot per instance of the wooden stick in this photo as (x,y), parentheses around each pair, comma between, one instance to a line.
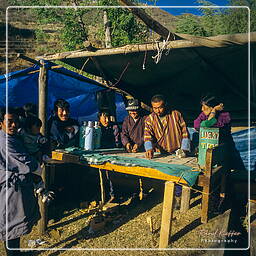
(167,214)
(185,199)
(149,21)
(42,84)
(218,41)
(42,89)
(107,30)
(102,188)
(21,56)
(207,187)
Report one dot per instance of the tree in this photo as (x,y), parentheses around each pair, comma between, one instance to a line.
(190,24)
(220,21)
(77,25)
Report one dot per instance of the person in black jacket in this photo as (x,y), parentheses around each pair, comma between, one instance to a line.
(62,130)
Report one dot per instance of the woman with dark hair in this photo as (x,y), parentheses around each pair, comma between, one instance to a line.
(213,115)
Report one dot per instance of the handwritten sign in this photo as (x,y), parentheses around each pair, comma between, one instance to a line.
(208,138)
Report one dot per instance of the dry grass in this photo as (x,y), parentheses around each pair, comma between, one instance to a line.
(129,231)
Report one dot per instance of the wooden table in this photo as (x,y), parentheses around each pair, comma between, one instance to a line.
(210,176)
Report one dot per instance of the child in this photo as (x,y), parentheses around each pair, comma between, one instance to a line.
(37,145)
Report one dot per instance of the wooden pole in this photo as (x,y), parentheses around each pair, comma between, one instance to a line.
(42,97)
(167,214)
(42,106)
(107,30)
(102,188)
(150,22)
(185,199)
(207,187)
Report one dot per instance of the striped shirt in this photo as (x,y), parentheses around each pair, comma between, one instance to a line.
(166,135)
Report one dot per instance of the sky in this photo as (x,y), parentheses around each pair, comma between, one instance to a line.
(178,11)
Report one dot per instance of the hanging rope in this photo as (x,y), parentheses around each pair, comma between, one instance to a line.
(158,56)
(145,57)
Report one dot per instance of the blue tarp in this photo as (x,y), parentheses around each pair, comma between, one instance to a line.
(242,145)
(78,90)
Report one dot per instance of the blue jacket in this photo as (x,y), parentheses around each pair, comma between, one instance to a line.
(16,182)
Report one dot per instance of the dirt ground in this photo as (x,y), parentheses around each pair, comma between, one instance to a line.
(128,231)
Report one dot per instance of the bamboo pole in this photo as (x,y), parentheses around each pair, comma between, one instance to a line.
(214,41)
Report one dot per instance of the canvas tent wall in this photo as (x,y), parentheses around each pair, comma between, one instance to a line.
(78,90)
(186,70)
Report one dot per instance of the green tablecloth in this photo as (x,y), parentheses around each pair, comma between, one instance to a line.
(182,171)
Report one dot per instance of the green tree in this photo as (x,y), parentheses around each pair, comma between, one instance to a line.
(126,29)
(74,24)
(215,21)
(190,24)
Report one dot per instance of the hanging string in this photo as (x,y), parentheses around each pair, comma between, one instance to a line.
(158,56)
(145,57)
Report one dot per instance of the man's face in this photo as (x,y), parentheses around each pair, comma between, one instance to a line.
(158,108)
(133,114)
(63,114)
(10,124)
(104,120)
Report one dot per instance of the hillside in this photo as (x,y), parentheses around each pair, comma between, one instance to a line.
(23,28)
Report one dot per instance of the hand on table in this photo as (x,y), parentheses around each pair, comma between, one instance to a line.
(135,148)
(128,147)
(150,154)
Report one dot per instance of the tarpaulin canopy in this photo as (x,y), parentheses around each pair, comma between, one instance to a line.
(78,90)
(186,70)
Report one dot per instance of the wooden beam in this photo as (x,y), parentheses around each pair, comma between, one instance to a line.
(207,187)
(150,22)
(167,214)
(102,188)
(216,41)
(42,89)
(185,199)
(42,97)
(21,56)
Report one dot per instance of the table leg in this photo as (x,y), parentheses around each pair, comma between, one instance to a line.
(167,214)
(102,188)
(185,199)
(205,202)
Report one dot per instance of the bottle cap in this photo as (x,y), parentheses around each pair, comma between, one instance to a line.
(90,124)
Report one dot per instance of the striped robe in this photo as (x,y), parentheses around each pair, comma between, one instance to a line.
(167,135)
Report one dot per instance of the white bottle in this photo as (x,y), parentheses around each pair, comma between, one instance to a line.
(88,136)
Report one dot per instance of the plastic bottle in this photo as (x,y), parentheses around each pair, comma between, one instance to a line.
(96,135)
(88,136)
(82,134)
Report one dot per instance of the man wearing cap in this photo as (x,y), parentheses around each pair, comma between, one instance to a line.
(133,127)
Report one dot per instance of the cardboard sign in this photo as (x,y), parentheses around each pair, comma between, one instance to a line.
(208,138)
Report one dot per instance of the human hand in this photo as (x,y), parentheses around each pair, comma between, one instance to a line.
(128,147)
(150,154)
(219,107)
(135,148)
